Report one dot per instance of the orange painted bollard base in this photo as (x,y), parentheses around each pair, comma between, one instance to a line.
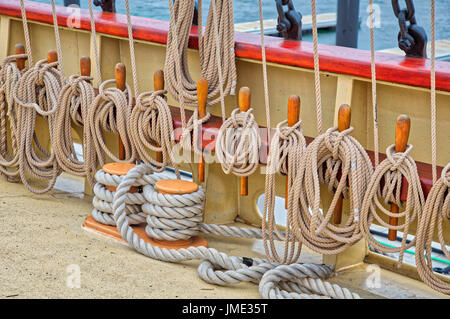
(119,169)
(112,232)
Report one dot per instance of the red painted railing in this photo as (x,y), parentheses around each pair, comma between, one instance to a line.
(390,68)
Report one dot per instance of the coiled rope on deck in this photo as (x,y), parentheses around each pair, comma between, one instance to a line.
(217,267)
(103,198)
(9,76)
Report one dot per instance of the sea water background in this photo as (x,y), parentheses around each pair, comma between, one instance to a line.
(247,10)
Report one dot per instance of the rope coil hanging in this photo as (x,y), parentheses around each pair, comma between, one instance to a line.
(150,108)
(392,171)
(10,74)
(111,111)
(287,140)
(436,212)
(323,159)
(238,143)
(216,49)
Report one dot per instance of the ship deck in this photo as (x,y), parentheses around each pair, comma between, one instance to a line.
(41,236)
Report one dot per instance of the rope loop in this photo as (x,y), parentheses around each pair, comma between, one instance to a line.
(238,143)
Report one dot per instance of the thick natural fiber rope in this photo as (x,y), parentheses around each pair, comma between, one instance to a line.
(9,76)
(151,120)
(321,162)
(177,77)
(110,112)
(216,51)
(36,93)
(103,199)
(437,206)
(286,149)
(94,43)
(75,99)
(392,170)
(238,143)
(216,268)
(435,214)
(374,82)
(316,68)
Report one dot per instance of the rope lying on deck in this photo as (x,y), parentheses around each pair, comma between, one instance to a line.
(392,171)
(216,268)
(9,76)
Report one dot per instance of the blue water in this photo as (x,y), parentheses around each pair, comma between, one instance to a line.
(247,10)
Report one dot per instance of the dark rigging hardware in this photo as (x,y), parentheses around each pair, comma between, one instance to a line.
(68,3)
(412,38)
(289,21)
(106,5)
(347,25)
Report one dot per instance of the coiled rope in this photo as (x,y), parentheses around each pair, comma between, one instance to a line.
(323,159)
(36,93)
(286,141)
(238,143)
(9,76)
(216,49)
(111,111)
(217,267)
(436,211)
(151,120)
(103,199)
(75,99)
(392,171)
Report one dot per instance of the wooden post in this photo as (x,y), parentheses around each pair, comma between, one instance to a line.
(244,106)
(85,66)
(20,49)
(52,56)
(121,78)
(202,94)
(402,128)
(344,119)
(158,85)
(293,115)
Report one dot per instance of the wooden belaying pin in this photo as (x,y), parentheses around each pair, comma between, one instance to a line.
(293,116)
(121,78)
(202,94)
(52,56)
(158,85)
(20,62)
(402,128)
(85,66)
(344,119)
(244,106)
